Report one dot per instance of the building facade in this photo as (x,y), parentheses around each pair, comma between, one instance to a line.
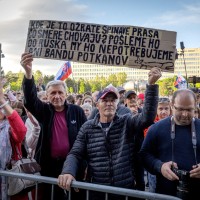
(192,63)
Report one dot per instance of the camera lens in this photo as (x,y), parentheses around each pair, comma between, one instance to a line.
(183,185)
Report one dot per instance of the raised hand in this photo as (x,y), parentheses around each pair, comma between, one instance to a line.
(154,75)
(26,63)
(2,83)
(3,103)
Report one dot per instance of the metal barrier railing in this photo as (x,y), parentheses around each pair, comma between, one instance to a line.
(89,186)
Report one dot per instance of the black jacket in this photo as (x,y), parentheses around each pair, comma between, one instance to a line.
(44,113)
(110,156)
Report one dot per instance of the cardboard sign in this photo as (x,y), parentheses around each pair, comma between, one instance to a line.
(128,46)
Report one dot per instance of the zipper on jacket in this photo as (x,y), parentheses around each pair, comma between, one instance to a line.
(105,131)
(110,161)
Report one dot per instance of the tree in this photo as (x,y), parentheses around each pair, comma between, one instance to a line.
(71,90)
(94,86)
(121,78)
(112,79)
(71,83)
(166,86)
(11,77)
(81,87)
(47,78)
(104,82)
(14,86)
(87,86)
(19,80)
(38,74)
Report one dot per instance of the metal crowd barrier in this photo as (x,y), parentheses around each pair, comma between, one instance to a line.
(88,186)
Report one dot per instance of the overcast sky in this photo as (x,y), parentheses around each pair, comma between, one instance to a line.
(182,16)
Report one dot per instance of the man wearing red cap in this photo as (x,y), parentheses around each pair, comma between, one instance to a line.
(140,100)
(107,142)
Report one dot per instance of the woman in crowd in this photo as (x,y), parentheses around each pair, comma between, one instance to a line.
(12,134)
(70,99)
(87,109)
(88,99)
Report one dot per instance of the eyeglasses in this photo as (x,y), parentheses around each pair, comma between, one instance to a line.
(189,110)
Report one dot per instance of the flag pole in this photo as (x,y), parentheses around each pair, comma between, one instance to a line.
(74,79)
(182,53)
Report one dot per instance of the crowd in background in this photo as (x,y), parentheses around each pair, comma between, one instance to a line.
(38,114)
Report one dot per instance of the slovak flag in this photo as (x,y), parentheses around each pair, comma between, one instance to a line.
(64,72)
(180,82)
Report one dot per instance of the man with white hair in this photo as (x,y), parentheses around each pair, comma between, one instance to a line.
(60,123)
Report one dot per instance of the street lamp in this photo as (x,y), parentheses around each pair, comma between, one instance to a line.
(136,86)
(1,56)
(182,53)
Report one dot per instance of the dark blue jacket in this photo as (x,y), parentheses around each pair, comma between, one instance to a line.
(157,149)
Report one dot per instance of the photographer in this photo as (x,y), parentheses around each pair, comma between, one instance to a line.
(171,149)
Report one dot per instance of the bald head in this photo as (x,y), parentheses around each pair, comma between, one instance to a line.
(184,93)
(183,106)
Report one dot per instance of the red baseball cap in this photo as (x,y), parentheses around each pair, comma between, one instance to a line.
(106,91)
(141,96)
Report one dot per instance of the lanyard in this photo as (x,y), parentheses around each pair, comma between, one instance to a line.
(194,138)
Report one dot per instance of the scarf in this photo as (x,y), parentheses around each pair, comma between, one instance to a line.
(5,154)
(5,146)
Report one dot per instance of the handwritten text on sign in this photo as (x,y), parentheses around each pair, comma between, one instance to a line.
(129,46)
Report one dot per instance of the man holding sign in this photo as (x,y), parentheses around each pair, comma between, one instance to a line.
(107,141)
(60,124)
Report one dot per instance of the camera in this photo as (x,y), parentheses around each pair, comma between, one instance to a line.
(183,183)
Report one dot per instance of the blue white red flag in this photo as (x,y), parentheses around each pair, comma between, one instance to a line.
(64,72)
(180,82)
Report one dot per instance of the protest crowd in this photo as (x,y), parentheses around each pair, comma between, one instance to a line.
(112,137)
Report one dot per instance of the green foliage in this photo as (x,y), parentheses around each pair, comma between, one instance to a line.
(87,86)
(104,82)
(94,86)
(13,86)
(11,77)
(70,84)
(71,90)
(37,75)
(166,86)
(19,80)
(81,87)
(121,78)
(46,79)
(112,79)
